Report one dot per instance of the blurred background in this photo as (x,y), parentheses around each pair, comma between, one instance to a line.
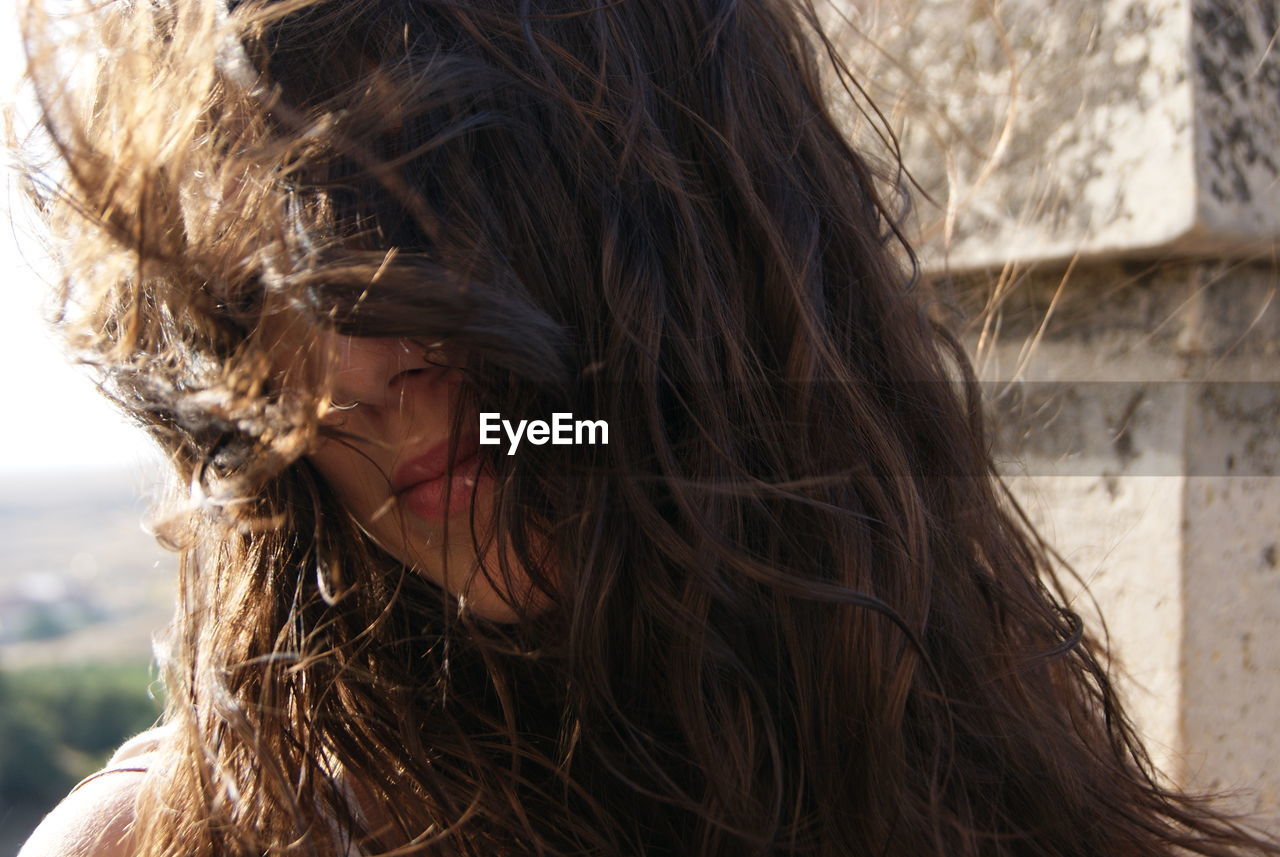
(1097,208)
(82,586)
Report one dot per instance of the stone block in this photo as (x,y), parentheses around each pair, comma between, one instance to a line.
(1142,435)
(1105,128)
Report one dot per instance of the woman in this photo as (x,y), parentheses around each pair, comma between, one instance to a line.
(320,250)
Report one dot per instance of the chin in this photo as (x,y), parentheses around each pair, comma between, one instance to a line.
(484,601)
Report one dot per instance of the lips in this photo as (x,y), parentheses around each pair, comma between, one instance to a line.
(420,482)
(432,464)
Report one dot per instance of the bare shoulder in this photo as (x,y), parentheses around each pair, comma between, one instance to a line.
(92,821)
(96,818)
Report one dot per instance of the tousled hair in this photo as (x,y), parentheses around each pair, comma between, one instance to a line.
(791,608)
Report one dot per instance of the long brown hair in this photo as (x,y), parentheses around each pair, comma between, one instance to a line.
(792,609)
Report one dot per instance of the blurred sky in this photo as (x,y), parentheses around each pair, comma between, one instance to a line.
(52,417)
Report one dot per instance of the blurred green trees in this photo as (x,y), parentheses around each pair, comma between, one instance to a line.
(58,724)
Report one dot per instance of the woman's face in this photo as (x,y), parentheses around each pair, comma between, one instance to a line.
(398,403)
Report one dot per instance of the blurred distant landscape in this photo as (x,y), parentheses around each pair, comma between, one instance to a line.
(82,591)
(79,578)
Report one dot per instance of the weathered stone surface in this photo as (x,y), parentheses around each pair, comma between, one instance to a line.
(1230,650)
(1098,127)
(1110,527)
(1236,74)
(1149,461)
(1140,418)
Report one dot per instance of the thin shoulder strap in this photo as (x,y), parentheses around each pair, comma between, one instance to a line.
(133,756)
(133,766)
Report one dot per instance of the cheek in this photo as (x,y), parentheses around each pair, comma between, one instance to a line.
(357,481)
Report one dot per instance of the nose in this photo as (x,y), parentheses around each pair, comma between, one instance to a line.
(369,371)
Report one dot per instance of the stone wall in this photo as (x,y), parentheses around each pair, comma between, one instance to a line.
(1047,128)
(1104,178)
